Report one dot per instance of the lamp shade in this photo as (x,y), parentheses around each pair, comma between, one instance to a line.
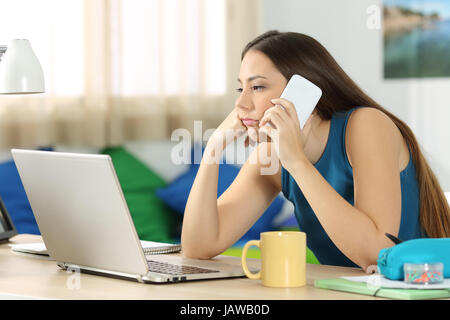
(20,70)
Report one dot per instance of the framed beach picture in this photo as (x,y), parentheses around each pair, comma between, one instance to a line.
(416,38)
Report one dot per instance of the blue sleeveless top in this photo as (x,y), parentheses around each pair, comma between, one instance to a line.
(334,166)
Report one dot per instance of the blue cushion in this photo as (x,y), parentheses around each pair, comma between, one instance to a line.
(289,222)
(175,195)
(15,198)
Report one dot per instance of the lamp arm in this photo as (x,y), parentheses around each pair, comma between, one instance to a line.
(2,51)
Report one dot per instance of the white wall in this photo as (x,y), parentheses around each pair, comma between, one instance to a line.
(341,26)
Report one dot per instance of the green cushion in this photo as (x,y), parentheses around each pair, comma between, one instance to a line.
(255,253)
(153,220)
(310,257)
(237,252)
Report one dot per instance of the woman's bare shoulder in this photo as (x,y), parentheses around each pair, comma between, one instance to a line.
(372,126)
(371,117)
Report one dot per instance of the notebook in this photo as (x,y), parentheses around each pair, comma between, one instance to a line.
(340,284)
(150,247)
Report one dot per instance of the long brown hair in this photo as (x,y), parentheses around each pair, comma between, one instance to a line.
(296,53)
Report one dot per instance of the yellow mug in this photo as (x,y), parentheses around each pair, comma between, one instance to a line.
(283,259)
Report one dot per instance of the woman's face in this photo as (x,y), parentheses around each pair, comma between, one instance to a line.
(259,82)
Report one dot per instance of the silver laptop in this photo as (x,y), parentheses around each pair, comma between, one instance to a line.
(85,222)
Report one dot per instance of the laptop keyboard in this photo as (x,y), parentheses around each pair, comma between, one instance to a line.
(173,269)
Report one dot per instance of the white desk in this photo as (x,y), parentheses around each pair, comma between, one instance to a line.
(31,276)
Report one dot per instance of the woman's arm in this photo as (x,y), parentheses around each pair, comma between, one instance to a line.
(200,222)
(212,225)
(358,231)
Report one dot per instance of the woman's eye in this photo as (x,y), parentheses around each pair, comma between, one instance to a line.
(258,88)
(254,88)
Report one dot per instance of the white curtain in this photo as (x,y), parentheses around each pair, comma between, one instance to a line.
(119,70)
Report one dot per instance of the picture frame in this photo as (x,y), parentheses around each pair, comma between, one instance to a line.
(416,39)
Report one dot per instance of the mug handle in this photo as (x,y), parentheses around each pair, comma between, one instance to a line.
(253,276)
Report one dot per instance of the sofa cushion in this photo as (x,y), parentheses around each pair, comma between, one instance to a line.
(153,220)
(15,199)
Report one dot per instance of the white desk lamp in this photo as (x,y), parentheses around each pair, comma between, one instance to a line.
(20,70)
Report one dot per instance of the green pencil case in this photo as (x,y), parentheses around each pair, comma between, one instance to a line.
(391,260)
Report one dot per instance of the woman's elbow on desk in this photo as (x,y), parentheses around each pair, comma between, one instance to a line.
(193,253)
(368,262)
(197,251)
(368,266)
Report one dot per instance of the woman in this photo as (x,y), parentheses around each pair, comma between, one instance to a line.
(354,173)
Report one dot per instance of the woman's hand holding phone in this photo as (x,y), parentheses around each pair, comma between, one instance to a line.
(291,113)
(285,134)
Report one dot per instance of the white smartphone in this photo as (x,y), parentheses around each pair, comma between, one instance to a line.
(304,95)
